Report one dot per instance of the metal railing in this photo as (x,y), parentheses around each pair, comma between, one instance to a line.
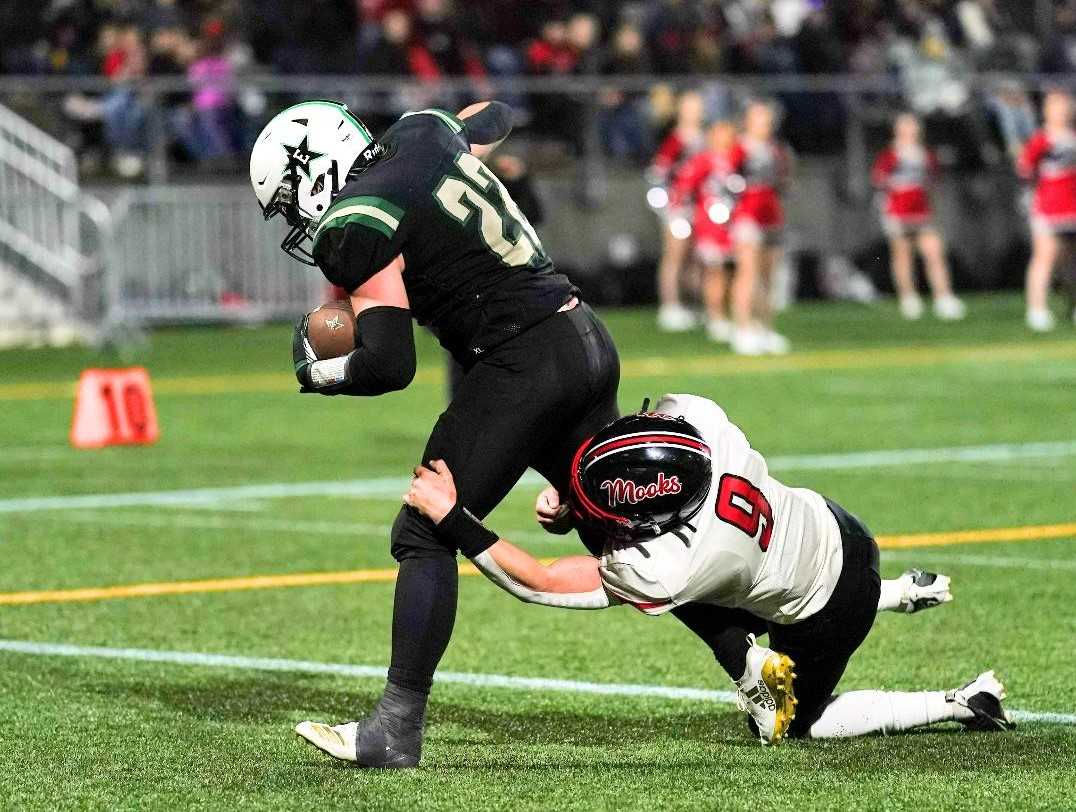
(200,253)
(53,237)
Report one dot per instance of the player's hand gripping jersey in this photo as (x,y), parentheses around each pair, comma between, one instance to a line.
(475,271)
(755,544)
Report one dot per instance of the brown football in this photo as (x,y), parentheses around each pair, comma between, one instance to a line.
(331,329)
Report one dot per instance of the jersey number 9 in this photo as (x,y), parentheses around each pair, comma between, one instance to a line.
(745,507)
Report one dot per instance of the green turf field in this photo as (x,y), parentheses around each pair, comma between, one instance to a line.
(994,408)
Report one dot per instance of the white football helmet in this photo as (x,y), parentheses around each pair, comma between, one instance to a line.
(301,160)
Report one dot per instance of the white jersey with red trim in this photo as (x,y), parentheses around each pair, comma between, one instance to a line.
(755,544)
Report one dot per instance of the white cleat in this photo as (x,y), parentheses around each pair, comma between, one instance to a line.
(765,692)
(949,308)
(748,341)
(719,330)
(1040,321)
(923,590)
(911,308)
(676,319)
(983,696)
(775,343)
(338,741)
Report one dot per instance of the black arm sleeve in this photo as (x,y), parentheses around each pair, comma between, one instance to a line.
(384,356)
(490,125)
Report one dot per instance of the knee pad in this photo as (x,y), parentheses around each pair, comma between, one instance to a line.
(413,536)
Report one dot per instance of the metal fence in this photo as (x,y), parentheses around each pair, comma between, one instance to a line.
(200,253)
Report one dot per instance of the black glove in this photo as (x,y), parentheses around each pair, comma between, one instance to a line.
(329,377)
(302,354)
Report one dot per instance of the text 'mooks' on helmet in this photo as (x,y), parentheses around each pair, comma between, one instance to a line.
(640,476)
(301,159)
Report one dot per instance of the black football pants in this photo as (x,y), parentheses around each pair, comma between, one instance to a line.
(529,402)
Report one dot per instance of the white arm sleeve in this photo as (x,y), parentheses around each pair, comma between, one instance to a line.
(596,599)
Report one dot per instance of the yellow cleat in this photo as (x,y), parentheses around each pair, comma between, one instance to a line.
(766,693)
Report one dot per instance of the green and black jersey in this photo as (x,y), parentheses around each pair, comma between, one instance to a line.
(476,273)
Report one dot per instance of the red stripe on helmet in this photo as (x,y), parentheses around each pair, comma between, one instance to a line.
(643,439)
(577,491)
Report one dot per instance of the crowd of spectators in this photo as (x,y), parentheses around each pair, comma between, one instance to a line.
(931,46)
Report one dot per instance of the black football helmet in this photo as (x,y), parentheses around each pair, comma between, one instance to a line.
(640,476)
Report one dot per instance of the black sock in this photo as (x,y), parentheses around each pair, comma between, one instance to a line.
(423,614)
(723,631)
(730,647)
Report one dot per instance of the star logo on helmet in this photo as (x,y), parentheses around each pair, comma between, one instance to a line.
(300,156)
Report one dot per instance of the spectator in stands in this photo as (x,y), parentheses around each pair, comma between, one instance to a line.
(1059,53)
(123,112)
(623,119)
(902,175)
(551,54)
(1013,115)
(682,142)
(1049,162)
(936,83)
(672,26)
(453,53)
(212,76)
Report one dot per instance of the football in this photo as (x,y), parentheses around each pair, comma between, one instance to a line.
(331,329)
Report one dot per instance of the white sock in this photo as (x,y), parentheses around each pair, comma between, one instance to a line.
(858,713)
(889,597)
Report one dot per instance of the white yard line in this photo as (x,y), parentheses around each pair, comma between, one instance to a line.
(192,658)
(392,487)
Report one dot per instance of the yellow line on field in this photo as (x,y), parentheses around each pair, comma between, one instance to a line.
(1038,532)
(863,358)
(1008,534)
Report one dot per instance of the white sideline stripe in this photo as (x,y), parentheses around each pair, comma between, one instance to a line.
(445,677)
(393,487)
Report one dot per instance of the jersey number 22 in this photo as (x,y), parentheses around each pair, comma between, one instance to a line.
(480,192)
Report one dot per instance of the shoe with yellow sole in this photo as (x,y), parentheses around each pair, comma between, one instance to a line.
(765,692)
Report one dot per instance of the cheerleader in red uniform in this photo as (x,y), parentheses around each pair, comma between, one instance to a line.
(702,184)
(763,165)
(901,174)
(1049,161)
(685,140)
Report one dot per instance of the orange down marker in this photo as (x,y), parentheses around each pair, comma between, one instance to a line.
(114,407)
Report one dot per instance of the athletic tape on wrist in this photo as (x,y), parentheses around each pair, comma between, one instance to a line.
(463,530)
(331,372)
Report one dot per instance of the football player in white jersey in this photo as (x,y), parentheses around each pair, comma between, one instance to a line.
(693,523)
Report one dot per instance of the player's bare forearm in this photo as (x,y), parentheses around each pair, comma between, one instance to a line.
(573,582)
(488,124)
(577,573)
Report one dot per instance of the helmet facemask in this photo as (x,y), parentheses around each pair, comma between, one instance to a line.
(300,162)
(298,242)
